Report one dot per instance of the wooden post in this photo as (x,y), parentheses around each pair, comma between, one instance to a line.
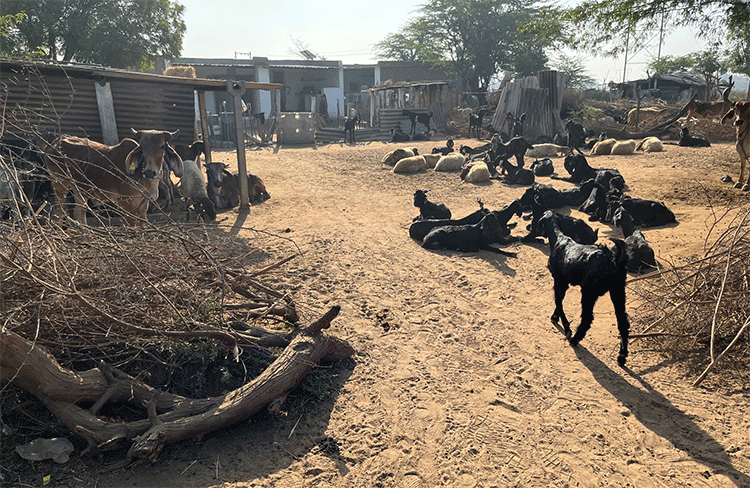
(237,89)
(204,124)
(106,113)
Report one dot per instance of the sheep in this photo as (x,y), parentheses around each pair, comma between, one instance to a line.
(543,167)
(597,268)
(428,209)
(447,149)
(546,150)
(650,144)
(450,162)
(641,256)
(623,147)
(686,140)
(467,238)
(420,228)
(432,159)
(475,123)
(350,124)
(647,213)
(603,147)
(516,175)
(192,187)
(475,172)
(410,165)
(394,156)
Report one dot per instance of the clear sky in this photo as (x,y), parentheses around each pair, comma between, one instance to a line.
(346,31)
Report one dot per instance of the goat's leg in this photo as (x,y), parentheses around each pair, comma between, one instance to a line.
(588,300)
(623,324)
(561,287)
(744,168)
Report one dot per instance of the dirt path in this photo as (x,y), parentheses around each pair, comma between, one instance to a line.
(460,379)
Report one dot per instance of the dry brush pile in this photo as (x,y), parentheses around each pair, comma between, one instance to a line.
(699,313)
(171,320)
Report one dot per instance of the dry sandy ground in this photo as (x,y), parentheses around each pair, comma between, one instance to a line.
(460,379)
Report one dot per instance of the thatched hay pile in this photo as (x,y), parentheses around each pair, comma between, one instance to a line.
(181,71)
(700,313)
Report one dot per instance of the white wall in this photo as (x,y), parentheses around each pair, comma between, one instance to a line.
(264,96)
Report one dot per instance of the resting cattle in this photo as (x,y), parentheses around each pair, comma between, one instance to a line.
(126,174)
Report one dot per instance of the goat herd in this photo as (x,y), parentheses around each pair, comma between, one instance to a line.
(131,175)
(577,256)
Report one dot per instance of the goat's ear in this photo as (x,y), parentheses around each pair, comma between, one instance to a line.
(134,161)
(728,115)
(173,160)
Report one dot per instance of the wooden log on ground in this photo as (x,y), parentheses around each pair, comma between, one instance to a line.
(30,367)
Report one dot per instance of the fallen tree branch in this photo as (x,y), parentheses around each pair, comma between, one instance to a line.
(29,367)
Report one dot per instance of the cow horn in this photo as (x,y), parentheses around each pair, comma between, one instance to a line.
(135,132)
(175,133)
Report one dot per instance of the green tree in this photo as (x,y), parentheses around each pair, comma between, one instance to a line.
(670,64)
(117,33)
(574,70)
(474,38)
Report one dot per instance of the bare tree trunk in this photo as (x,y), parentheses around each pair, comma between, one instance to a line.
(30,367)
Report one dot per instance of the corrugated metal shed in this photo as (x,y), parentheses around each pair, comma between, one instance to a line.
(61,98)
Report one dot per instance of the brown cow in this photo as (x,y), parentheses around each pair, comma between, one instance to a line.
(740,112)
(126,174)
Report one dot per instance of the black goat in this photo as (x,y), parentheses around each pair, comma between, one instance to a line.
(467,238)
(548,196)
(475,123)
(573,227)
(415,117)
(447,149)
(580,171)
(515,124)
(399,135)
(595,204)
(641,256)
(543,167)
(687,140)
(597,269)
(576,135)
(515,147)
(428,209)
(350,123)
(516,175)
(420,228)
(648,213)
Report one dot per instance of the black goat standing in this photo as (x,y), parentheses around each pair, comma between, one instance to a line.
(597,269)
(428,209)
(475,123)
(576,136)
(415,117)
(516,124)
(350,124)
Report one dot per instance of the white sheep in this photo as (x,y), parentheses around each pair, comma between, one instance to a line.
(603,147)
(192,187)
(450,162)
(432,159)
(410,165)
(475,172)
(624,147)
(546,151)
(397,154)
(650,144)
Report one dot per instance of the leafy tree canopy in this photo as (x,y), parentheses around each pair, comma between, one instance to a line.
(475,38)
(574,70)
(117,33)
